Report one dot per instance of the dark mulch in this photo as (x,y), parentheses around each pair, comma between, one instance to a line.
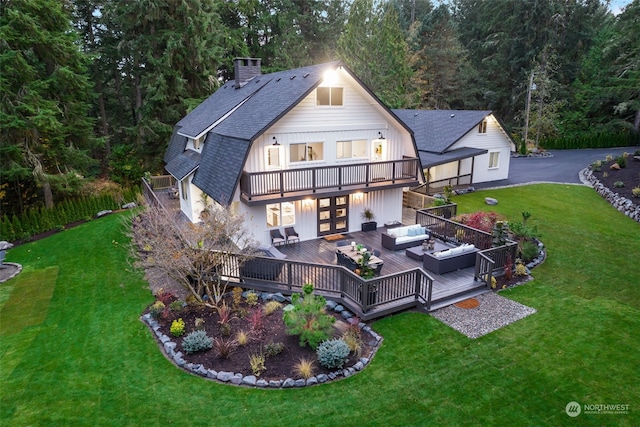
(278,367)
(630,176)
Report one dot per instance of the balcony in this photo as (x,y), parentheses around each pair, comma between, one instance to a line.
(259,187)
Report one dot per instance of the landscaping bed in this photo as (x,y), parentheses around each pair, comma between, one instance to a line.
(628,176)
(265,333)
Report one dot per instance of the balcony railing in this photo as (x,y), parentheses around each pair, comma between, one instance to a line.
(296,181)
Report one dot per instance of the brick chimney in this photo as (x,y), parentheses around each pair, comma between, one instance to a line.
(244,69)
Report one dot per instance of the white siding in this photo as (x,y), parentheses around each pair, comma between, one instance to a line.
(493,140)
(360,117)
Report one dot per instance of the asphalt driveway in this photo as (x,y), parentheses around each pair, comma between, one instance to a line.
(562,167)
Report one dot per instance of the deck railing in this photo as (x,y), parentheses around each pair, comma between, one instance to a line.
(490,260)
(454,181)
(335,282)
(282,182)
(159,182)
(452,231)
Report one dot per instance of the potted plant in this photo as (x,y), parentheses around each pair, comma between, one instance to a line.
(369,224)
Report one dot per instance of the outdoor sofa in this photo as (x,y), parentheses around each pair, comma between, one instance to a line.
(450,260)
(404,237)
(261,268)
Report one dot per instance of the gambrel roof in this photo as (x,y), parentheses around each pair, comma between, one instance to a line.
(233,117)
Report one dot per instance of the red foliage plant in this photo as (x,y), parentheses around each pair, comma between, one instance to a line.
(480,220)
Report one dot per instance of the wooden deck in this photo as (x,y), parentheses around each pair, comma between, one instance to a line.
(445,286)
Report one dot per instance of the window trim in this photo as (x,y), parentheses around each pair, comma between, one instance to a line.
(330,89)
(364,156)
(280,211)
(497,159)
(482,127)
(306,150)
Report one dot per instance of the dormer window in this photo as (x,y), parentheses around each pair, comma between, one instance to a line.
(329,96)
(482,127)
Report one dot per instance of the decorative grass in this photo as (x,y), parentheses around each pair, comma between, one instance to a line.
(92,362)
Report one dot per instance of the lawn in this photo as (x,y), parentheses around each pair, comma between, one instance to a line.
(73,351)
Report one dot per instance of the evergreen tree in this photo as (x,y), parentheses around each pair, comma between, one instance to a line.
(45,129)
(374,47)
(169,55)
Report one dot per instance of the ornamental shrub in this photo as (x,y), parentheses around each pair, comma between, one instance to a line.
(196,341)
(306,318)
(273,349)
(528,251)
(157,309)
(177,327)
(333,353)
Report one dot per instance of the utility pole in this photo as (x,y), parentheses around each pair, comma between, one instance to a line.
(526,114)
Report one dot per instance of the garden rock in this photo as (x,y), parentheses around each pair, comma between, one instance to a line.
(275,384)
(300,383)
(249,380)
(103,213)
(288,383)
(279,297)
(615,166)
(620,203)
(225,376)
(322,378)
(262,383)
(490,201)
(312,381)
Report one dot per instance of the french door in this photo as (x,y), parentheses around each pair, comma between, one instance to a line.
(333,215)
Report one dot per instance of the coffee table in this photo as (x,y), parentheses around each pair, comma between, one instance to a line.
(416,252)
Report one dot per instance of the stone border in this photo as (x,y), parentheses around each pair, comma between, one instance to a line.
(17,267)
(169,349)
(622,204)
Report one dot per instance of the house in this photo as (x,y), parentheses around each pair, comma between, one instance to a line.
(459,147)
(308,148)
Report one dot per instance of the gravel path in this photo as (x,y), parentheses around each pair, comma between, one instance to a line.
(494,312)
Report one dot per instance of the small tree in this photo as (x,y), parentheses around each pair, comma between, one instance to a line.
(306,317)
(194,255)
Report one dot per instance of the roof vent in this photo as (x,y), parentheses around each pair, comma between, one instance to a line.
(452,116)
(305,75)
(245,69)
(278,79)
(292,77)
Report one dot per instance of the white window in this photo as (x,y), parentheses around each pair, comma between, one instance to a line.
(306,152)
(329,96)
(281,214)
(482,127)
(350,149)
(273,156)
(184,187)
(494,159)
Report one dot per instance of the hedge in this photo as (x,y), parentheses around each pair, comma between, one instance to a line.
(40,219)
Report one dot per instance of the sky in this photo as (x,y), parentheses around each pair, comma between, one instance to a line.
(618,5)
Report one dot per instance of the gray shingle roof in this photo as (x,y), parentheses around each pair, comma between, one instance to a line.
(183,164)
(428,160)
(221,163)
(437,130)
(282,92)
(177,144)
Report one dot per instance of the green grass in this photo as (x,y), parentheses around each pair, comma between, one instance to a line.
(88,360)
